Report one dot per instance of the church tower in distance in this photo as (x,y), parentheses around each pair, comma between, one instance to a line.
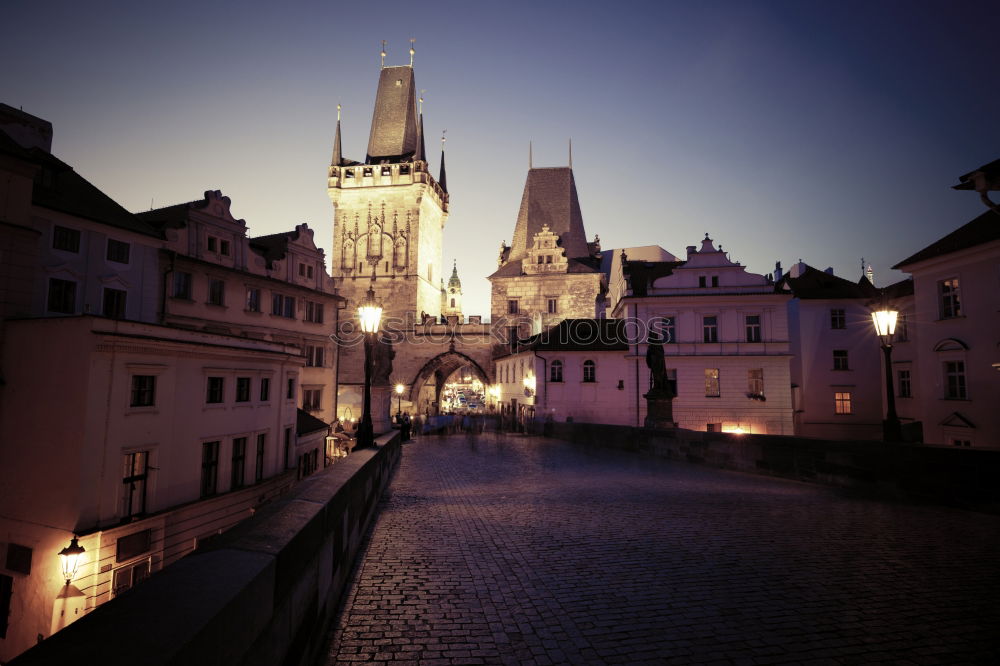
(389,211)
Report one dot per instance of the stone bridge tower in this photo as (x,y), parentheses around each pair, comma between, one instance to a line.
(389,211)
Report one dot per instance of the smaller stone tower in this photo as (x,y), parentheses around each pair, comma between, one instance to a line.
(451,297)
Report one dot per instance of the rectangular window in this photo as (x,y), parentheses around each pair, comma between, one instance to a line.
(302,270)
(753,328)
(901,332)
(903,380)
(715,280)
(283,306)
(182,285)
(954,375)
(118,251)
(242,389)
(314,356)
(290,392)
(288,447)
(265,389)
(840,359)
(309,271)
(143,391)
(253,299)
(556,371)
(66,239)
(314,312)
(237,472)
(949,298)
(258,474)
(512,307)
(838,319)
(135,467)
(19,558)
(125,578)
(216,386)
(209,468)
(589,371)
(671,380)
(6,592)
(712,389)
(957,441)
(212,243)
(842,402)
(312,399)
(553,303)
(224,248)
(133,545)
(667,330)
(755,381)
(216,292)
(114,303)
(710,329)
(62,296)
(702,281)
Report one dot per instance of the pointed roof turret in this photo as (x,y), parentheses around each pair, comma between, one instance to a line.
(550,198)
(338,157)
(453,281)
(394,134)
(442,179)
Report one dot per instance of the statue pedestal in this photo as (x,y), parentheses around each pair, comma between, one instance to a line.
(659,410)
(381,404)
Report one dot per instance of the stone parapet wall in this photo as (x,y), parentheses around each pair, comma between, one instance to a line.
(262,593)
(959,477)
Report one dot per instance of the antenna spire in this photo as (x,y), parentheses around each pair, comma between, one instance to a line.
(412,51)
(383,54)
(571,153)
(422,102)
(338,112)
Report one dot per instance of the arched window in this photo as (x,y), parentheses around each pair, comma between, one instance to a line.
(453,302)
(589,371)
(555,371)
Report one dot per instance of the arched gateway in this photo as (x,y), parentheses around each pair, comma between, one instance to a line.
(426,386)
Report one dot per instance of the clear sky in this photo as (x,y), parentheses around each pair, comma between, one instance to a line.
(826,131)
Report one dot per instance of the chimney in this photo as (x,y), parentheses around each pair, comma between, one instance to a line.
(691,250)
(777,271)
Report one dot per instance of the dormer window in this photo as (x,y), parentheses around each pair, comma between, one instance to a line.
(404,169)
(348,173)
(386,171)
(367,172)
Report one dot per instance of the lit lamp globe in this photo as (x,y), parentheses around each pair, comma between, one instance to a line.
(885,324)
(71,557)
(370,313)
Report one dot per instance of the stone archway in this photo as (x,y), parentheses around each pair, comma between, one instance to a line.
(439,369)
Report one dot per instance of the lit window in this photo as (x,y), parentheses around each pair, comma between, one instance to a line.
(238,469)
(114,303)
(66,239)
(556,371)
(589,371)
(710,329)
(949,298)
(838,319)
(840,359)
(118,251)
(209,468)
(753,328)
(143,391)
(755,381)
(842,402)
(954,374)
(712,389)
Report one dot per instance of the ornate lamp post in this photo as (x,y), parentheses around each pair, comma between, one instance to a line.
(885,328)
(370,316)
(70,558)
(399,399)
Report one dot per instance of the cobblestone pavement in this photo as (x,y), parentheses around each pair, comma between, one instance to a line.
(523,550)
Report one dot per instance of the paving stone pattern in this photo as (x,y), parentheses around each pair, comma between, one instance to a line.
(522,550)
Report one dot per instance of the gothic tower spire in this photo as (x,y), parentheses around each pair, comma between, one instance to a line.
(338,157)
(442,180)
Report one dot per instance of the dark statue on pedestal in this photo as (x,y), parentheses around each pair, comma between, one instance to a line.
(659,400)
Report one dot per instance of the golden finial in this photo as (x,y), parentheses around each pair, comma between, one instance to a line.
(338,113)
(422,101)
(412,51)
(383,54)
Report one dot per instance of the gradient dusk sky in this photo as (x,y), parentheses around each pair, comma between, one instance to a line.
(826,131)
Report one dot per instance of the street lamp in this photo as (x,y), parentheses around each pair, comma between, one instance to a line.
(370,316)
(885,327)
(71,556)
(399,399)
